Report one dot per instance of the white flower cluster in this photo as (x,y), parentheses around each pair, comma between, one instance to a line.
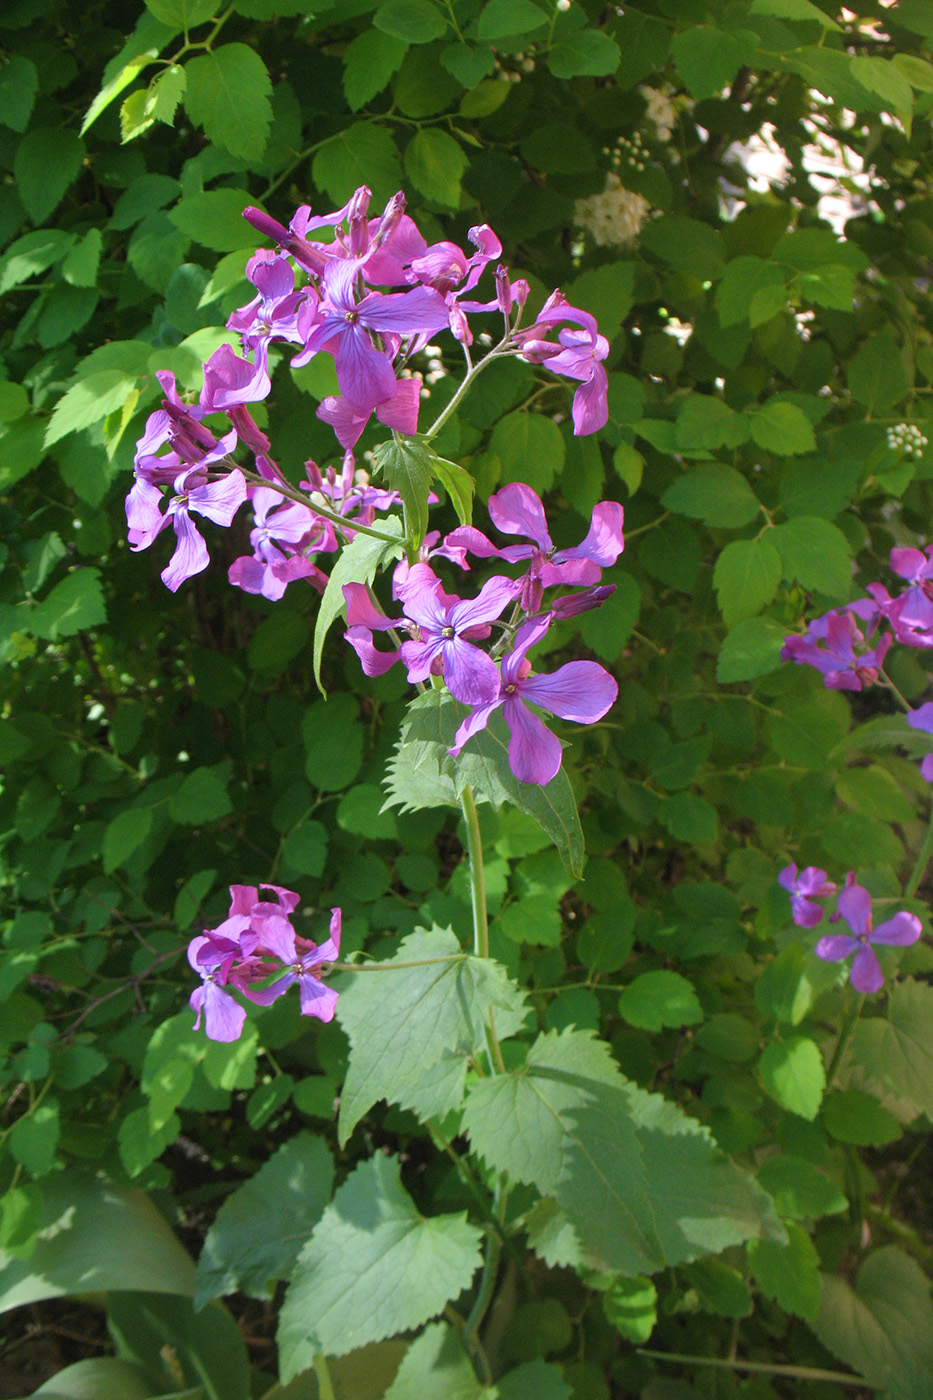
(614,217)
(526,64)
(630,149)
(661,111)
(907,438)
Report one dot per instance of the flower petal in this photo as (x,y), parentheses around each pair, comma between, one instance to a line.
(581,691)
(866,975)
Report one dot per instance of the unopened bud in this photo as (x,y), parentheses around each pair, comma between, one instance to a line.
(503,290)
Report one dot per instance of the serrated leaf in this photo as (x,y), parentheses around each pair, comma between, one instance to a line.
(357,563)
(661,998)
(788,1273)
(708,59)
(897,1050)
(802,10)
(746,578)
(228,92)
(414,21)
(782,428)
(743,278)
(373,1267)
(214,219)
(134,119)
(47,160)
(165,93)
(815,554)
(73,605)
(800,1190)
(434,163)
(411,1030)
(530,449)
(793,1074)
(368,64)
(876,374)
(586,52)
(430,726)
(406,465)
(436,1367)
(459,485)
(32,254)
(145,44)
(502,18)
(182,14)
(362,154)
(714,493)
(858,1118)
(89,401)
(261,1228)
(201,798)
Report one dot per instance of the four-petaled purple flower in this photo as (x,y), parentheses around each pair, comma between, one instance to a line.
(836,646)
(855,907)
(810,884)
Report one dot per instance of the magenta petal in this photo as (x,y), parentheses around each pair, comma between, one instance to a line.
(855,908)
(590,409)
(421,309)
(898,932)
(265,996)
(316,998)
(926,768)
(492,599)
(219,500)
(362,611)
(469,674)
(517,510)
(788,878)
(604,541)
(475,721)
(836,946)
(581,691)
(373,661)
(866,975)
(223,1017)
(419,658)
(534,752)
(190,557)
(277,937)
(922,718)
(365,376)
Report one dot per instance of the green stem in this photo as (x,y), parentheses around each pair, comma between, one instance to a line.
(919,870)
(804,1373)
(442,417)
(325,1386)
(845,1035)
(487,1281)
(303,500)
(391,966)
(477,873)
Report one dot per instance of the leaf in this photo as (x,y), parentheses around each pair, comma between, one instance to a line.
(687,244)
(436,1367)
(643,1184)
(792,1072)
(81,263)
(21,450)
(657,999)
(34,1138)
(800,1190)
(802,10)
(411,1030)
(89,401)
(434,163)
(608,292)
(405,464)
(468,65)
(373,1267)
(165,93)
(788,1273)
(202,1353)
(97,1236)
(782,428)
(858,1118)
(898,1050)
(815,554)
(145,43)
(19,83)
(746,578)
(356,563)
(228,94)
(201,798)
(886,81)
(530,448)
(134,119)
(743,279)
(500,19)
(362,154)
(705,421)
(100,1375)
(459,485)
(261,1228)
(586,52)
(73,605)
(432,721)
(215,220)
(716,494)
(368,64)
(707,59)
(884,1327)
(876,374)
(47,160)
(413,21)
(124,835)
(182,14)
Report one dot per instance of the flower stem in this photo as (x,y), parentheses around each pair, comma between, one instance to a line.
(293,494)
(804,1373)
(845,1035)
(477,873)
(325,1385)
(919,870)
(441,419)
(391,966)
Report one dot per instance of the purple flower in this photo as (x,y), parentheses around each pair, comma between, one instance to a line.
(194,491)
(223,1017)
(284,533)
(578,354)
(855,908)
(443,630)
(810,884)
(830,644)
(923,719)
(302,960)
(582,691)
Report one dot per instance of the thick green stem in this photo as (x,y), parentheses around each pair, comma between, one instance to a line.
(845,1035)
(919,870)
(804,1373)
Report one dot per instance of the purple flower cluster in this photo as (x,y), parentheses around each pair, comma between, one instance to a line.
(854,906)
(340,308)
(255,942)
(442,630)
(848,648)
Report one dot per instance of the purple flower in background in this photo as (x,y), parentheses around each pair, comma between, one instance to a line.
(810,884)
(837,647)
(923,719)
(302,959)
(855,908)
(578,355)
(283,534)
(582,691)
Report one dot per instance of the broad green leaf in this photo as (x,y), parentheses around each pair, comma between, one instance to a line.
(81,264)
(73,605)
(436,1367)
(792,1072)
(165,93)
(362,154)
(708,59)
(368,64)
(331,732)
(782,428)
(746,578)
(888,82)
(716,494)
(752,648)
(19,83)
(688,818)
(412,21)
(858,1118)
(373,1267)
(411,1030)
(831,285)
(687,244)
(800,1190)
(815,554)
(14,401)
(260,1230)
(657,999)
(124,835)
(98,1236)
(145,44)
(357,563)
(630,1304)
(434,163)
(876,374)
(459,485)
(47,160)
(468,65)
(203,1352)
(182,14)
(743,278)
(883,1328)
(788,1273)
(783,990)
(215,220)
(89,401)
(608,292)
(917,71)
(134,119)
(99,1375)
(802,10)
(21,449)
(201,798)
(228,93)
(530,449)
(586,52)
(897,1050)
(34,1138)
(501,18)
(704,422)
(406,465)
(428,733)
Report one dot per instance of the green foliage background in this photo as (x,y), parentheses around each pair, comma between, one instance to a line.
(157,748)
